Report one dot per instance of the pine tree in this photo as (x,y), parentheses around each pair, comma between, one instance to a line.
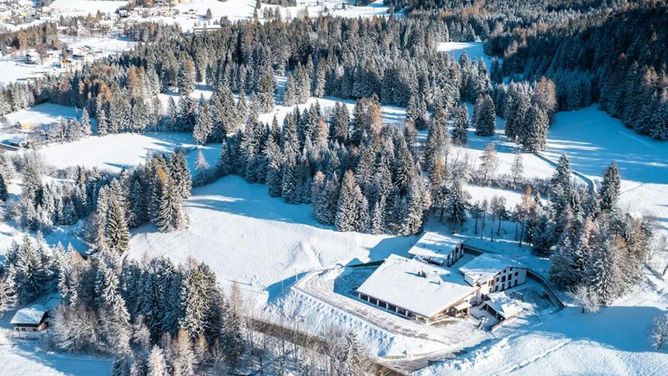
(180,175)
(201,164)
(457,204)
(117,235)
(413,213)
(101,117)
(533,135)
(204,125)
(352,210)
(484,116)
(437,141)
(186,77)
(326,205)
(561,185)
(290,96)
(339,123)
(604,269)
(157,366)
(225,164)
(7,294)
(3,187)
(115,328)
(460,126)
(85,122)
(610,188)
(168,214)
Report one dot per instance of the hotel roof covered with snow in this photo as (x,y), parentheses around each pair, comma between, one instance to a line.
(415,289)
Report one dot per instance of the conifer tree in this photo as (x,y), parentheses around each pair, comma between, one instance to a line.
(484,116)
(101,117)
(339,123)
(168,214)
(533,135)
(610,188)
(204,126)
(7,294)
(325,207)
(457,204)
(3,187)
(157,366)
(117,235)
(352,210)
(460,126)
(85,122)
(180,175)
(561,185)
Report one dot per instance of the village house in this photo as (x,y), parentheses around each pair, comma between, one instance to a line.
(502,306)
(437,249)
(30,319)
(492,272)
(416,290)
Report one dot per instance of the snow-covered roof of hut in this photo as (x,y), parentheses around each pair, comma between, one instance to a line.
(504,305)
(416,286)
(32,315)
(487,266)
(434,246)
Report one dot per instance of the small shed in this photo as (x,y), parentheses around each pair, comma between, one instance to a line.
(502,306)
(31,58)
(30,319)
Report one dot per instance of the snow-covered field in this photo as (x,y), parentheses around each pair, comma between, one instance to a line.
(114,152)
(246,236)
(592,139)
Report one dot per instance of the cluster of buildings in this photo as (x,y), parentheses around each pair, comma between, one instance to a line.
(427,287)
(18,11)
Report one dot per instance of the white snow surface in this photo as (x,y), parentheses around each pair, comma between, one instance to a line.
(246,236)
(125,150)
